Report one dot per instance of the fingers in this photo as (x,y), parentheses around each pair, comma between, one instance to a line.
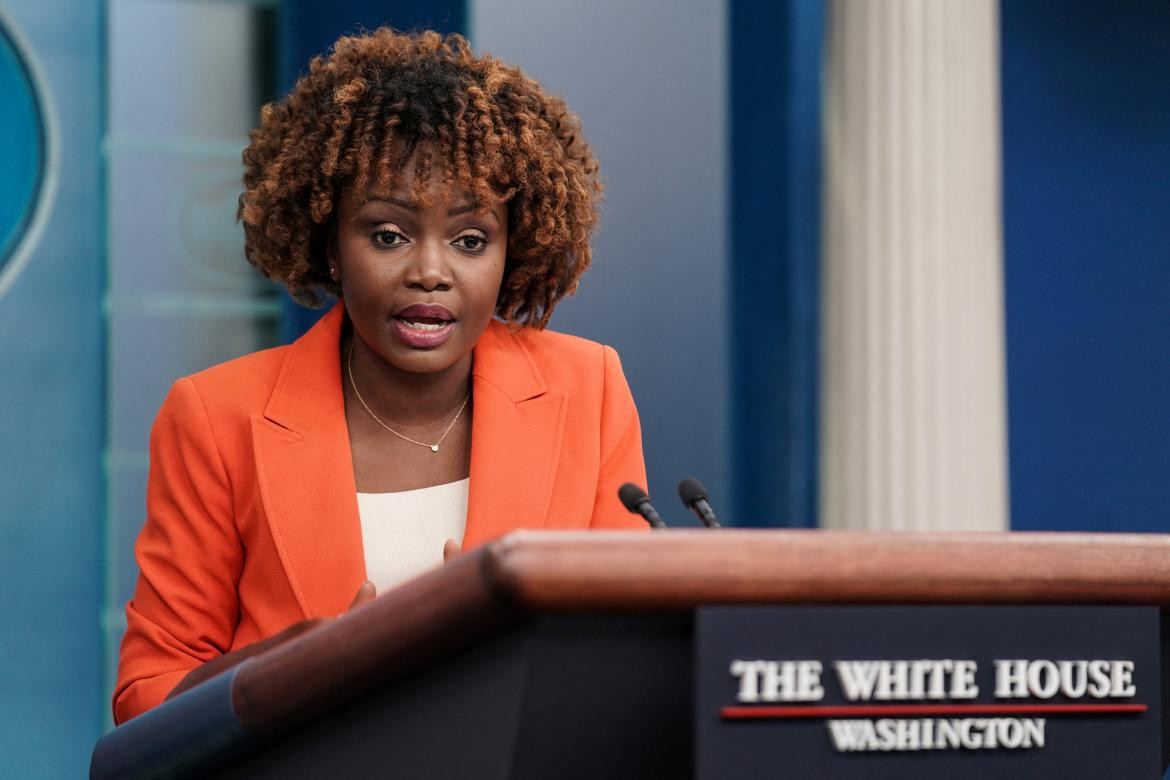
(365,593)
(296,629)
(235,657)
(450,549)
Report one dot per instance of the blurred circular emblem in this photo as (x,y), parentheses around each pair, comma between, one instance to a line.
(24,154)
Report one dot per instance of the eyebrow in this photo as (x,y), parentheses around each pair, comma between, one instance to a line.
(411,205)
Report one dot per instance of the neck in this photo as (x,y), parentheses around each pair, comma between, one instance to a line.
(404,397)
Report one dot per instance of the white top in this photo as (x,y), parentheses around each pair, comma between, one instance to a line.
(403,533)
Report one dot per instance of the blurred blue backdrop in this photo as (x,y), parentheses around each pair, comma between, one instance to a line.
(1086,150)
(52,410)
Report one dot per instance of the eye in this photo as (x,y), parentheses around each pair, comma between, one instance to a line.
(471,242)
(384,238)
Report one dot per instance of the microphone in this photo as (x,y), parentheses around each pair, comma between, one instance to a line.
(637,502)
(694,498)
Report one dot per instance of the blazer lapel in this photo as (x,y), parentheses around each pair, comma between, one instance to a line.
(305,467)
(305,470)
(516,434)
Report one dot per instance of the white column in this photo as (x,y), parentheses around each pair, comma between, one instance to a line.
(913,411)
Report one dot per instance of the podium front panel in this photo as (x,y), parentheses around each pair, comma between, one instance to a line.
(910,692)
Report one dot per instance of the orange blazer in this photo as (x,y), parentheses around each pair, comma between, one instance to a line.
(252,520)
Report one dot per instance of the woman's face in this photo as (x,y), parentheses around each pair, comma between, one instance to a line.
(420,284)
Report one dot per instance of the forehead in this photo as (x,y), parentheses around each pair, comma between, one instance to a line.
(392,178)
(403,194)
(435,197)
(396,179)
(450,201)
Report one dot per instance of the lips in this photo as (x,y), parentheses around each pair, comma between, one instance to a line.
(424,325)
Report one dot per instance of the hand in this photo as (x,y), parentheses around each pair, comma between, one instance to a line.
(228,660)
(367,592)
(450,550)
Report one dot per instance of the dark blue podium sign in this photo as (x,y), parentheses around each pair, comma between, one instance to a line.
(927,692)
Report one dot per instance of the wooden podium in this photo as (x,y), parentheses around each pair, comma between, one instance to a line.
(566,655)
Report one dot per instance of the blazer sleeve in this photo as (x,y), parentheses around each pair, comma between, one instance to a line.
(185,605)
(621,449)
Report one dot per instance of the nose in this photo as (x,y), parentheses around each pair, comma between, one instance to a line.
(429,269)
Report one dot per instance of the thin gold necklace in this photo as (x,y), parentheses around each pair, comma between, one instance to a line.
(433,447)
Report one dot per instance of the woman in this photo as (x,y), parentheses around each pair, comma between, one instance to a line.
(447,202)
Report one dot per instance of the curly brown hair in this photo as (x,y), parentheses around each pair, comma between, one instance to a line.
(383,99)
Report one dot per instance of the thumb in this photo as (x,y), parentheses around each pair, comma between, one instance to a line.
(365,593)
(450,549)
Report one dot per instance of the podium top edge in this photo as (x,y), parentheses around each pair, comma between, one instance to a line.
(552,570)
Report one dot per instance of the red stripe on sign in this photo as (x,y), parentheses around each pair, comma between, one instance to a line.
(876,710)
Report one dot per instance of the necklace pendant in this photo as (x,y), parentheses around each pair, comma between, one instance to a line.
(434,448)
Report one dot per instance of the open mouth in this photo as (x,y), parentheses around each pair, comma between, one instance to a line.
(424,325)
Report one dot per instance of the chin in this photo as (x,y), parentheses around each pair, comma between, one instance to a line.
(424,361)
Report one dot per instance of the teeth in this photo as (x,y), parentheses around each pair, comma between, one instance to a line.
(425,325)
